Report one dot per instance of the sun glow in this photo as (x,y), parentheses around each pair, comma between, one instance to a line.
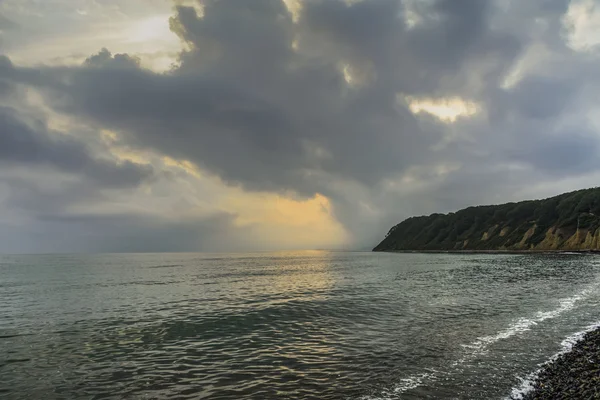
(294,7)
(447,110)
(289,221)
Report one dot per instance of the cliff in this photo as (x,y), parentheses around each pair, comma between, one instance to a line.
(570,221)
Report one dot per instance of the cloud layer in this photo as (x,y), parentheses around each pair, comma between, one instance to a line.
(384,108)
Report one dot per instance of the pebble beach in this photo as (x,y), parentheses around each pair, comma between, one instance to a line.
(572,375)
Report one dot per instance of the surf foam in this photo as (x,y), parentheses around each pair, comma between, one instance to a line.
(480,346)
(567,344)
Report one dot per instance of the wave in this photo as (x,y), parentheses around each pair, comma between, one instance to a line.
(404,385)
(524,324)
(481,345)
(566,345)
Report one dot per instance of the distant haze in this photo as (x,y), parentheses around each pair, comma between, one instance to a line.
(206,125)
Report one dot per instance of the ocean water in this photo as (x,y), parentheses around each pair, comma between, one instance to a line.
(305,325)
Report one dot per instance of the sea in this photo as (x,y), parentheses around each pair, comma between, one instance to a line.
(288,325)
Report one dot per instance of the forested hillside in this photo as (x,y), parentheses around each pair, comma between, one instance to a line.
(570,221)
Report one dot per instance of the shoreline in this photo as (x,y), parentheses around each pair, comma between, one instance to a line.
(491,251)
(573,374)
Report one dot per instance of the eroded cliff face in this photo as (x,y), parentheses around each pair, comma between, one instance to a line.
(567,222)
(581,239)
(557,239)
(554,239)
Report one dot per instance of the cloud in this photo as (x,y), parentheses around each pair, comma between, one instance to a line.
(105,59)
(126,233)
(444,109)
(301,99)
(582,22)
(142,233)
(6,24)
(34,146)
(56,32)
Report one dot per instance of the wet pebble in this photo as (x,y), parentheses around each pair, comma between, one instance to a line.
(574,375)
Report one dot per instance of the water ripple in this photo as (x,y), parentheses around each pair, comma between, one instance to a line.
(305,326)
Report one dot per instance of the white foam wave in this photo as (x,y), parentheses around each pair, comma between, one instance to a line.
(412,382)
(481,345)
(567,344)
(404,385)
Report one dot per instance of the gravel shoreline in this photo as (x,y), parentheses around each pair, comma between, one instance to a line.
(573,375)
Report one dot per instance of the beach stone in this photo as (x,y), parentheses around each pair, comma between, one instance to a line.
(574,375)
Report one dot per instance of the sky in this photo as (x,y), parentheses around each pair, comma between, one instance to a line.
(223,125)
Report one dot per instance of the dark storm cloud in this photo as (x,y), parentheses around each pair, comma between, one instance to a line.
(36,146)
(49,219)
(416,60)
(257,112)
(37,200)
(542,98)
(568,153)
(147,233)
(247,106)
(6,69)
(261,100)
(126,233)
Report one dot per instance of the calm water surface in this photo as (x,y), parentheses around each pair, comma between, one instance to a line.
(309,325)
